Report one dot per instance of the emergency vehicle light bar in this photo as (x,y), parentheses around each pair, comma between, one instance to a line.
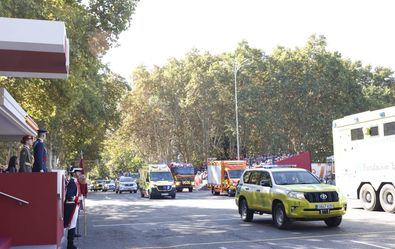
(275,166)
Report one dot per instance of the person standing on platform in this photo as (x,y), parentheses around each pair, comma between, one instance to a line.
(25,157)
(71,207)
(12,164)
(40,152)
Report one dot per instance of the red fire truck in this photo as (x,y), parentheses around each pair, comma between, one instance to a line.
(223,176)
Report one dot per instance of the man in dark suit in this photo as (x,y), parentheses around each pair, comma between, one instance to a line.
(40,152)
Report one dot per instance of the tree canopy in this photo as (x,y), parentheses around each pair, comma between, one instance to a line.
(287,102)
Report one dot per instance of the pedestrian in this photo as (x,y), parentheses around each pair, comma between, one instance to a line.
(25,157)
(71,206)
(40,152)
(12,165)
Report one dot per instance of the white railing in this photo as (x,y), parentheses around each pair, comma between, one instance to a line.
(15,198)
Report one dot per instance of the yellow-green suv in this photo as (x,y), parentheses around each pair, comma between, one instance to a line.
(288,194)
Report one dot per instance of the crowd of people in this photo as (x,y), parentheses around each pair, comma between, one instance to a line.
(28,161)
(267,158)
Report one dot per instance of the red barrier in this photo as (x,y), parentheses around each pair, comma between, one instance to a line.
(302,160)
(41,221)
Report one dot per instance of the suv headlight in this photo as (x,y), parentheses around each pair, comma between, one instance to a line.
(296,195)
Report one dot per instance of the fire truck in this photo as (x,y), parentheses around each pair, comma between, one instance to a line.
(364,145)
(223,176)
(184,175)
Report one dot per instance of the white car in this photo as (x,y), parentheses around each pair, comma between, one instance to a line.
(126,184)
(109,186)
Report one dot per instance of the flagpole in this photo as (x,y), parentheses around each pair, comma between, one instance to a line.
(85,218)
(84,203)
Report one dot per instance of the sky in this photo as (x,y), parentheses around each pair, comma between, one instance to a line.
(162,29)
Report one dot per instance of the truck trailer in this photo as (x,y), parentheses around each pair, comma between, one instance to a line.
(364,157)
(223,176)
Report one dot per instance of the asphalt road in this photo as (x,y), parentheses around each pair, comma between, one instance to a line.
(200,220)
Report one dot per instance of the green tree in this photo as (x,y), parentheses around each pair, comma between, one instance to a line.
(287,102)
(79,111)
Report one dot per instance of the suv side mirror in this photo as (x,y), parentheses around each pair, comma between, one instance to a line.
(265,183)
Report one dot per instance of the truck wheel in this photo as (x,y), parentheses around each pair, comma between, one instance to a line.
(333,222)
(246,214)
(173,196)
(369,198)
(279,216)
(387,198)
(190,189)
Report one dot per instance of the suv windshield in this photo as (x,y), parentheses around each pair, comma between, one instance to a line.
(161,176)
(235,174)
(126,179)
(184,170)
(294,177)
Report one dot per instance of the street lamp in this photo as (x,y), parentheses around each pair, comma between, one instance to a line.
(236,68)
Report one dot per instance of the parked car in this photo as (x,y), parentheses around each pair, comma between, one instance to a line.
(97,185)
(109,185)
(126,184)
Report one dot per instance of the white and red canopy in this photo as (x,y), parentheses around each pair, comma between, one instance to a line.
(33,48)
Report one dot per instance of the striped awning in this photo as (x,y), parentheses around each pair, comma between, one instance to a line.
(14,121)
(33,48)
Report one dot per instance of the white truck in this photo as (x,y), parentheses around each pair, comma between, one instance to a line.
(364,151)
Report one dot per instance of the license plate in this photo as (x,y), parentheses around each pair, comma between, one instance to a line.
(187,182)
(324,211)
(324,206)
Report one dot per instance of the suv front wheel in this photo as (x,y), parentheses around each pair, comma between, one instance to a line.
(333,222)
(246,214)
(280,218)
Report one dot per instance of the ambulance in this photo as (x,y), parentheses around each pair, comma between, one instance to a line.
(156,180)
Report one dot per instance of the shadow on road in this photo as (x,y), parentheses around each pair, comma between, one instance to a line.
(197,220)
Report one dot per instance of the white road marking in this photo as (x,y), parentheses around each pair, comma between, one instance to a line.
(138,217)
(267,240)
(161,222)
(369,244)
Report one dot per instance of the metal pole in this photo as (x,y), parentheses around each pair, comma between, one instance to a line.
(85,219)
(237,113)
